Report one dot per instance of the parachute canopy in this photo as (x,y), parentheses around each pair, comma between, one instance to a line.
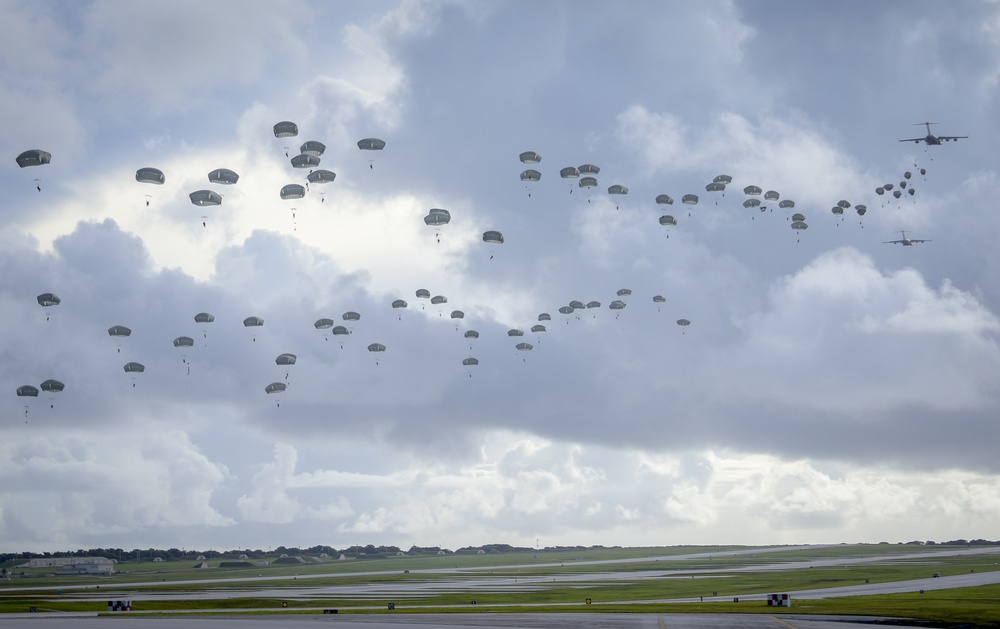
(323,324)
(771,195)
(183,341)
(223,176)
(371,144)
(664,199)
(524,347)
(787,204)
(376,347)
(134,367)
(515,332)
(531,175)
(33,157)
(683,322)
(285,359)
(423,293)
(293,191)
(589,169)
(570,172)
(305,161)
(493,237)
(617,189)
(321,176)
(470,361)
(439,299)
(457,314)
(723,179)
(204,317)
(529,157)
(437,217)
(588,182)
(752,190)
(253,322)
(275,387)
(27,391)
(350,315)
(150,175)
(119,330)
(471,334)
(690,199)
(312,147)
(659,299)
(48,299)
(668,221)
(52,386)
(399,303)
(545,317)
(286,129)
(202,198)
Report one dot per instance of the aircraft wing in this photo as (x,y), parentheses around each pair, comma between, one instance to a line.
(892,242)
(915,240)
(913,140)
(949,138)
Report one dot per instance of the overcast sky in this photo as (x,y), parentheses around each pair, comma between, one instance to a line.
(829,387)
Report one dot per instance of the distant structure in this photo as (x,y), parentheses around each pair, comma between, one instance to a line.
(74,565)
(779,600)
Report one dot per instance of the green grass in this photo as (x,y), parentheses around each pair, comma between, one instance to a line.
(978,606)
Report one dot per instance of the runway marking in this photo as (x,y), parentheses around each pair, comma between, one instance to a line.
(663,625)
(783,622)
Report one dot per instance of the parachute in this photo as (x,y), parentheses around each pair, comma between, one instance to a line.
(275,387)
(27,391)
(223,176)
(538,327)
(715,187)
(787,204)
(48,299)
(204,317)
(576,305)
(723,179)
(690,199)
(798,217)
(752,190)
(664,199)
(33,157)
(515,332)
(423,293)
(371,144)
(285,359)
(471,334)
(524,347)
(436,217)
(751,203)
(321,176)
(439,299)
(350,315)
(286,129)
(530,175)
(293,191)
(203,198)
(376,348)
(617,305)
(587,182)
(323,324)
(253,322)
(52,386)
(668,221)
(312,147)
(493,237)
(623,292)
(399,303)
(771,195)
(183,341)
(588,169)
(545,317)
(470,361)
(570,172)
(617,189)
(134,367)
(305,161)
(457,314)
(659,299)
(119,330)
(150,175)
(529,157)
(593,304)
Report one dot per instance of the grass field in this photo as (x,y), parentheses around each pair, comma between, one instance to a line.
(536,581)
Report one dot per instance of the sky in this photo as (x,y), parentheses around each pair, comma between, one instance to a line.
(830,387)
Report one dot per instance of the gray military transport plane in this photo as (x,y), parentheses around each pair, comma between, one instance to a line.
(934,140)
(906,242)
